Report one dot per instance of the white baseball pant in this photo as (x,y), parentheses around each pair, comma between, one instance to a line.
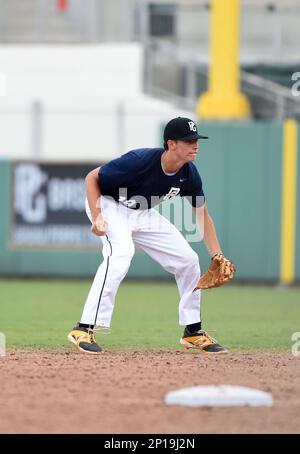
(160,239)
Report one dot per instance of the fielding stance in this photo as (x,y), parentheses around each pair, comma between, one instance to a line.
(120,199)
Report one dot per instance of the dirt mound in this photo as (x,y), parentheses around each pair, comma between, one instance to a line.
(64,391)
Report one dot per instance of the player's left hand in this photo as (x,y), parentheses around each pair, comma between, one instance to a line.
(220,271)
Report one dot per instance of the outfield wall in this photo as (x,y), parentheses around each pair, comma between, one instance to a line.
(241,169)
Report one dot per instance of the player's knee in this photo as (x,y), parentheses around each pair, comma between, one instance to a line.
(191,257)
(187,261)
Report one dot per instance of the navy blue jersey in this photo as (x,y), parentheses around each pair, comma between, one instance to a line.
(137,180)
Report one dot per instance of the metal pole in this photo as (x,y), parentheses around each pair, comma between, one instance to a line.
(37,111)
(93,22)
(190,84)
(3,85)
(280,106)
(2,19)
(120,128)
(40,21)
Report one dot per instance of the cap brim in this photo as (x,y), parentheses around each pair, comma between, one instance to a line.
(193,137)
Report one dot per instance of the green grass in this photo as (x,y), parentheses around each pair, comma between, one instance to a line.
(40,313)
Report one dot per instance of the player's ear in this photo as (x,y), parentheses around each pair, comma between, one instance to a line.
(171,143)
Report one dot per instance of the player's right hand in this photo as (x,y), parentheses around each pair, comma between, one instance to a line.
(99,226)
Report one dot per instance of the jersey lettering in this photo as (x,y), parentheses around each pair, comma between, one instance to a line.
(128,203)
(172,193)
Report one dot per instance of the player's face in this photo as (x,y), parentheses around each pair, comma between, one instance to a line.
(187,149)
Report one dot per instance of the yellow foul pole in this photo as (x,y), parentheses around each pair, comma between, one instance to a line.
(223,100)
(289,203)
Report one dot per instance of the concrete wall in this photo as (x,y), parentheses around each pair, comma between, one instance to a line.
(78,103)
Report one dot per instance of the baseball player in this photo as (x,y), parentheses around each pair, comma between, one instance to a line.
(121,195)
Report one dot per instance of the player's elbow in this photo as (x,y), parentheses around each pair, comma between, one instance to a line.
(92,175)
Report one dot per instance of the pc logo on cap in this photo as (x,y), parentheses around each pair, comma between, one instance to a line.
(181,128)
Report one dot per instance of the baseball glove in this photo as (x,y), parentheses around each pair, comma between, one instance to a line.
(220,271)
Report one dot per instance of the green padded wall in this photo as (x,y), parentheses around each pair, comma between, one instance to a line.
(240,166)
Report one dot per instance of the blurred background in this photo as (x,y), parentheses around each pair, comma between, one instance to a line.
(83,81)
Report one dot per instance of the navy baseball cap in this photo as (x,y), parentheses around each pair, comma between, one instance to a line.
(181,128)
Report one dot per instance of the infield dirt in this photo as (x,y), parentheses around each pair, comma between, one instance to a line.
(119,392)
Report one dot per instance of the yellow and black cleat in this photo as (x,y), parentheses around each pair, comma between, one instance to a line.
(84,340)
(201,341)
